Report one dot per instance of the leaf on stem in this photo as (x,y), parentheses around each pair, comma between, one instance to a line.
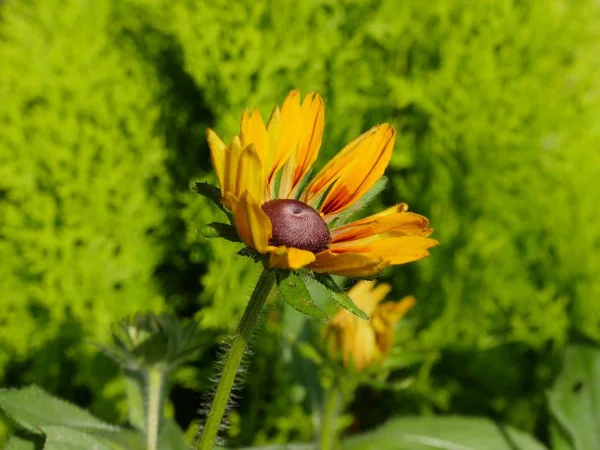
(295,293)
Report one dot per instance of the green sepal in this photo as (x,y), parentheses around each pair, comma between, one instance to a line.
(339,296)
(220,230)
(250,253)
(294,292)
(212,193)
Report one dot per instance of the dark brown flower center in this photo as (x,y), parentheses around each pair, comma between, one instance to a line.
(295,224)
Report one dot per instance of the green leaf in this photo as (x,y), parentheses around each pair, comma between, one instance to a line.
(574,400)
(63,438)
(32,408)
(250,253)
(17,443)
(340,297)
(292,446)
(211,192)
(220,230)
(171,437)
(442,433)
(134,388)
(295,293)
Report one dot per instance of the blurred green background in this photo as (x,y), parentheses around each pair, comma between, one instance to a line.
(103,111)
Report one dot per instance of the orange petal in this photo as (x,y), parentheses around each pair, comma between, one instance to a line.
(310,136)
(290,258)
(254,132)
(347,264)
(395,219)
(404,249)
(253,225)
(218,149)
(354,170)
(393,250)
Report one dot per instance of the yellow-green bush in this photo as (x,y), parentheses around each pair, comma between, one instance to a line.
(82,179)
(104,105)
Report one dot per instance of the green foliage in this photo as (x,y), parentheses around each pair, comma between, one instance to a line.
(81,180)
(32,409)
(61,424)
(103,114)
(429,433)
(575,399)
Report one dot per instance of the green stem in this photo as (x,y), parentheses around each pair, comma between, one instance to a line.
(155,378)
(328,438)
(233,360)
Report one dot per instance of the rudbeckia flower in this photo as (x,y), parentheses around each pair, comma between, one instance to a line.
(297,221)
(363,344)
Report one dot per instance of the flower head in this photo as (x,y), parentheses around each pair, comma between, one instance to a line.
(365,343)
(279,212)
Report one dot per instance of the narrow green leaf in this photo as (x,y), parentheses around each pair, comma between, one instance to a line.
(250,253)
(340,297)
(63,438)
(575,400)
(17,443)
(32,408)
(442,433)
(135,390)
(292,446)
(367,198)
(295,293)
(220,230)
(309,352)
(207,190)
(171,437)
(211,192)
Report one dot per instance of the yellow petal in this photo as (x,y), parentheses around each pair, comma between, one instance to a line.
(354,170)
(254,132)
(253,225)
(218,149)
(384,321)
(249,175)
(230,176)
(347,264)
(362,347)
(367,296)
(290,258)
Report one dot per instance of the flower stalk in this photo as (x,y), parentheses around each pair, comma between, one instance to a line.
(328,436)
(155,381)
(234,359)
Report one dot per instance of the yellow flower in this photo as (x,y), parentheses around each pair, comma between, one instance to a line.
(262,175)
(366,343)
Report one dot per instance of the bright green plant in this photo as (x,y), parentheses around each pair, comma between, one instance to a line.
(149,349)
(82,180)
(496,104)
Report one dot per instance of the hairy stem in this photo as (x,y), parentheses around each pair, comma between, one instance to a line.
(328,436)
(155,379)
(233,360)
